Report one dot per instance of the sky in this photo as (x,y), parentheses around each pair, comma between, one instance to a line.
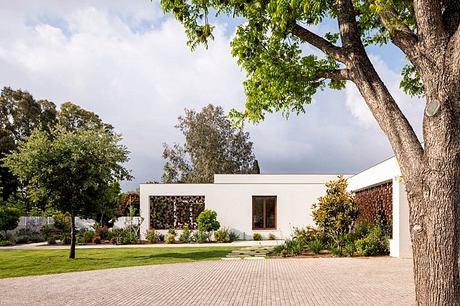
(129,63)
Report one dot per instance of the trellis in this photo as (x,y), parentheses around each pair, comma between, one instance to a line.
(175,211)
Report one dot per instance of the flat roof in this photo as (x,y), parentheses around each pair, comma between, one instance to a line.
(275,178)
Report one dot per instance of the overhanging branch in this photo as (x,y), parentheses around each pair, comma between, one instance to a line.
(319,42)
(337,74)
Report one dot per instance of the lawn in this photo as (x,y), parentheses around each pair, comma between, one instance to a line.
(15,263)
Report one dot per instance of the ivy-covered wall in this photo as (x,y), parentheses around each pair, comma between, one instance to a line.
(175,211)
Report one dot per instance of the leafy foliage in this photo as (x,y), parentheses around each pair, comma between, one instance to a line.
(9,217)
(336,212)
(212,146)
(207,221)
(70,168)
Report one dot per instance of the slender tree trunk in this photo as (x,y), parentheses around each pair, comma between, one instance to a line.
(73,236)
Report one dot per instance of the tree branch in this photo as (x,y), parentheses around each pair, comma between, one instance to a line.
(337,74)
(348,27)
(451,15)
(319,42)
(401,35)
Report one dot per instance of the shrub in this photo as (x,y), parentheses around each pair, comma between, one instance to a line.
(289,248)
(128,235)
(161,237)
(51,239)
(232,236)
(152,236)
(335,250)
(294,247)
(336,212)
(306,234)
(172,231)
(207,221)
(315,246)
(97,240)
(376,243)
(170,238)
(5,243)
(186,234)
(62,222)
(201,236)
(65,238)
(26,235)
(349,249)
(102,231)
(46,231)
(222,235)
(85,236)
(271,236)
(257,236)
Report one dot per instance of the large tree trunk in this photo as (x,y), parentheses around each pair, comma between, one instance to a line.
(73,236)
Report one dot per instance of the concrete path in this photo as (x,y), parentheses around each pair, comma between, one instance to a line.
(46,246)
(310,281)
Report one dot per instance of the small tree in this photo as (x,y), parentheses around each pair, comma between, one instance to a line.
(69,167)
(336,212)
(207,221)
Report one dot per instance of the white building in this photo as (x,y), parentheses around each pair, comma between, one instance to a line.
(276,204)
(246,203)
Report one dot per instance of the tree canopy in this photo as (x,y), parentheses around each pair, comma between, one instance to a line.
(212,146)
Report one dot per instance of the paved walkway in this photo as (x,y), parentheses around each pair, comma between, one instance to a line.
(310,281)
(239,243)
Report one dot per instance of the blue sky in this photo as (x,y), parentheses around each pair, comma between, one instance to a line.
(129,63)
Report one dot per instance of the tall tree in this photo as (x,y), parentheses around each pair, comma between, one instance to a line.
(69,168)
(212,146)
(20,114)
(281,76)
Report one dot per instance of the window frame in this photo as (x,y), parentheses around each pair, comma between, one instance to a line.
(264,212)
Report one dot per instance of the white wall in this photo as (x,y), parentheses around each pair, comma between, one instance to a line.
(233,201)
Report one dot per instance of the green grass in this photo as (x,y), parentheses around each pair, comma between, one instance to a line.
(15,263)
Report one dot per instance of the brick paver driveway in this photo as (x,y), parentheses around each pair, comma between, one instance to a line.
(312,281)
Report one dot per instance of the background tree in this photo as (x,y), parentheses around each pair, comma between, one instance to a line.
(281,76)
(20,114)
(255,167)
(9,216)
(336,212)
(69,168)
(212,145)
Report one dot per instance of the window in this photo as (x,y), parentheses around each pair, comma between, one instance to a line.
(263,212)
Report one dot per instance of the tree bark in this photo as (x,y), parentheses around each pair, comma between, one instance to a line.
(73,236)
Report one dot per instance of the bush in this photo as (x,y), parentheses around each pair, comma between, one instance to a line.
(257,236)
(186,235)
(271,236)
(170,238)
(9,217)
(65,238)
(172,231)
(51,239)
(46,231)
(207,221)
(201,236)
(376,243)
(5,243)
(222,235)
(349,249)
(336,212)
(26,235)
(335,250)
(315,246)
(232,236)
(161,237)
(307,234)
(85,236)
(128,235)
(62,222)
(96,240)
(152,236)
(102,232)
(293,247)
